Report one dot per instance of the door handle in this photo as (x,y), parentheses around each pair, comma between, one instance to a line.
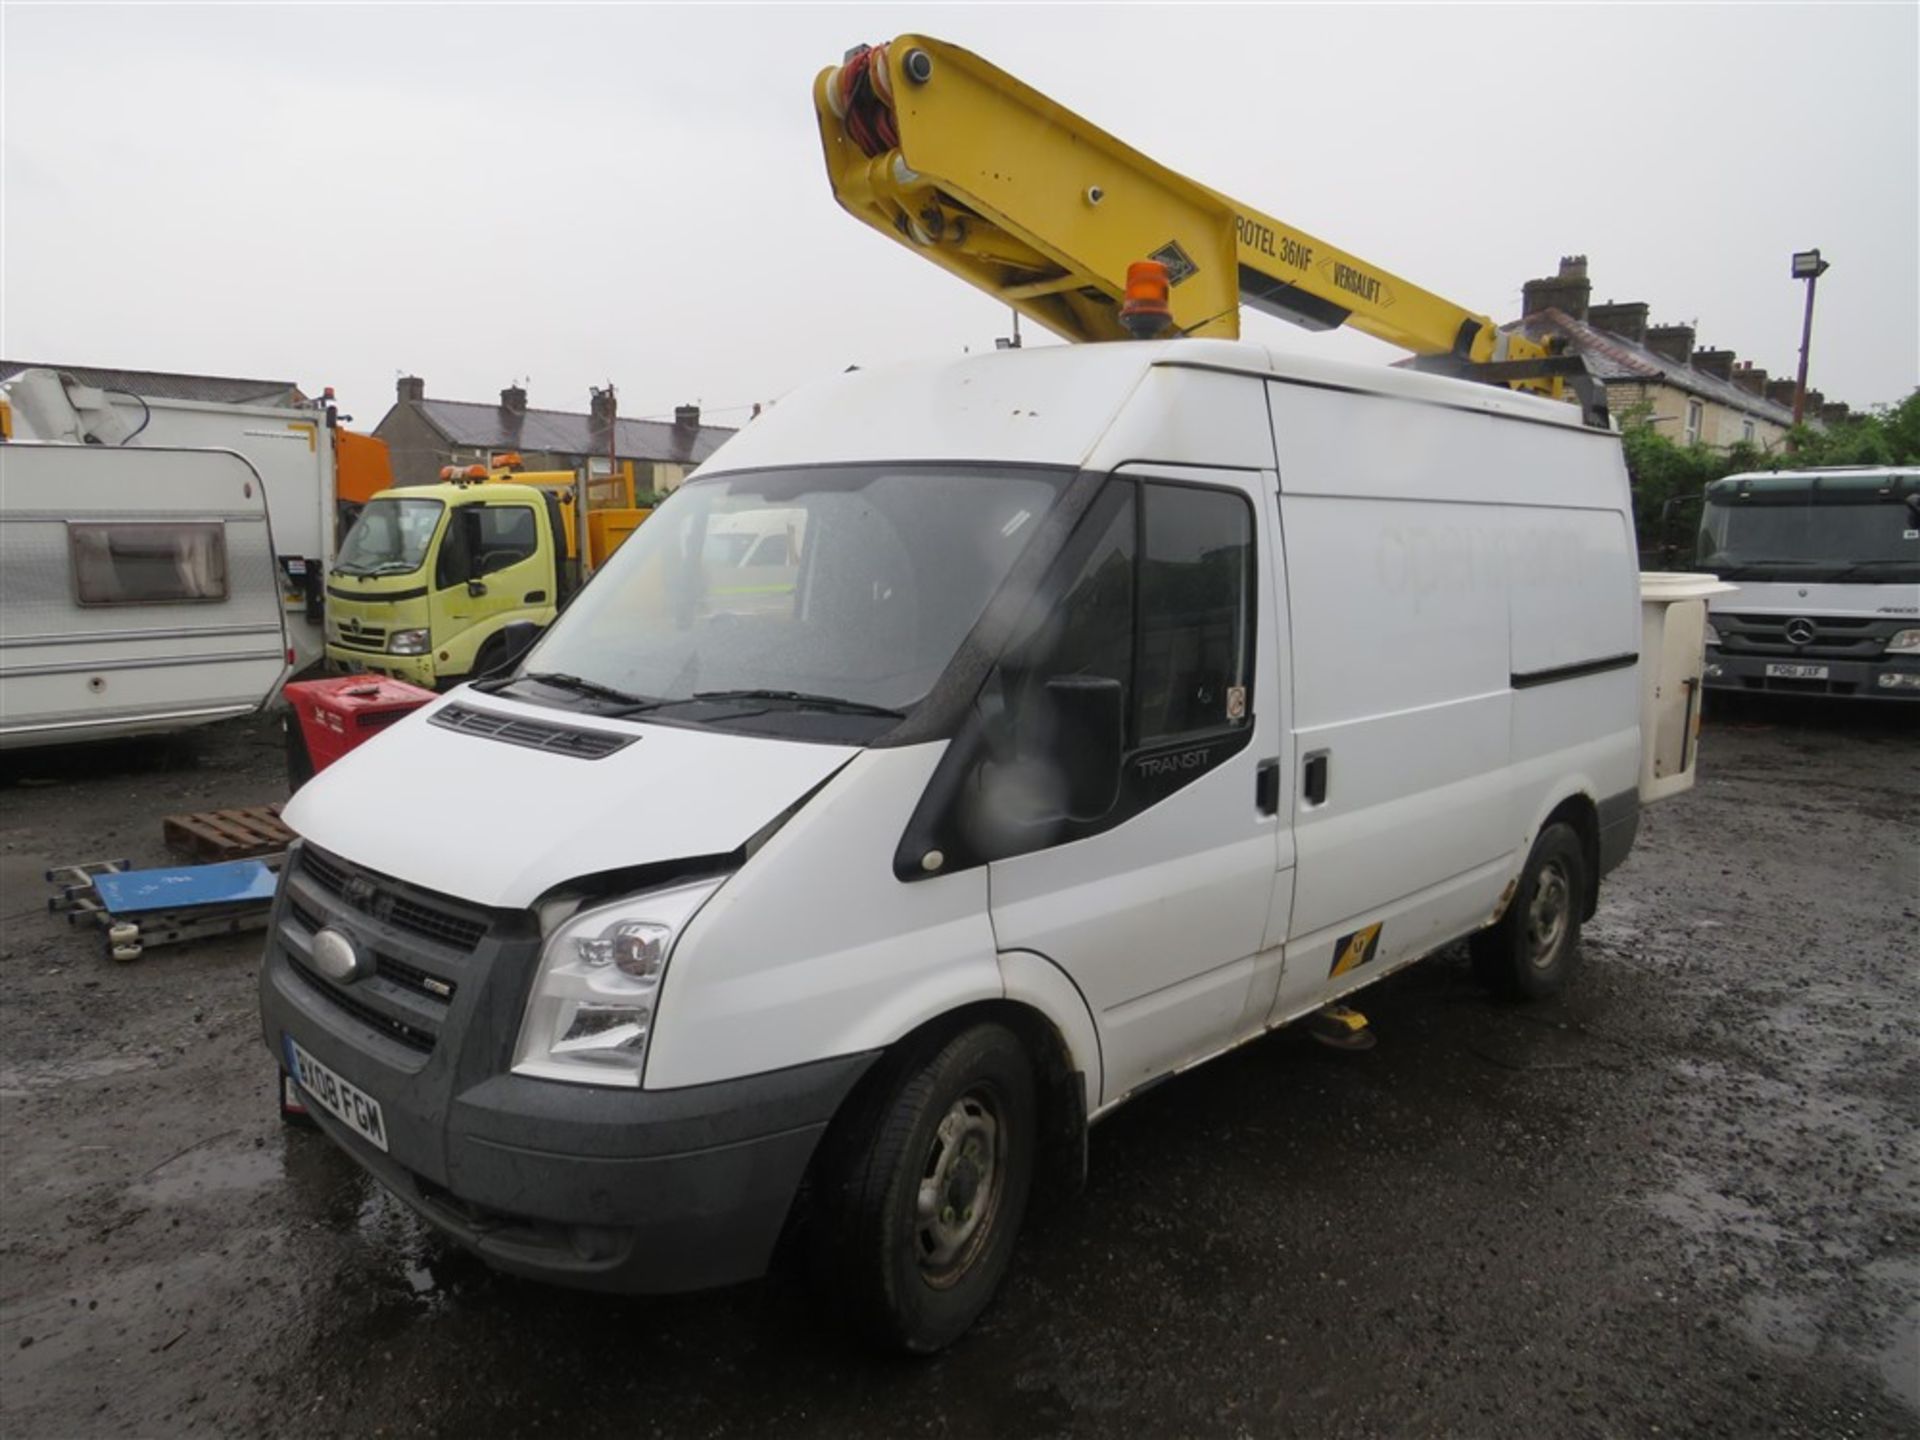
(1266,787)
(1313,781)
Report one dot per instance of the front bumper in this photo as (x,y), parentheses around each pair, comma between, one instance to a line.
(1850,679)
(416,668)
(637,1191)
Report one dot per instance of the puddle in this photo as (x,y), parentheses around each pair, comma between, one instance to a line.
(18,1080)
(208,1171)
(1710,1216)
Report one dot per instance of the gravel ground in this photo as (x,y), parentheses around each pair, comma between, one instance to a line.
(1683,1199)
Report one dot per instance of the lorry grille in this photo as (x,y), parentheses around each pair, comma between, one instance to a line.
(367,637)
(535,734)
(1835,637)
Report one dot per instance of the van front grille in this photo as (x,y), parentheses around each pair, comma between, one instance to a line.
(372,895)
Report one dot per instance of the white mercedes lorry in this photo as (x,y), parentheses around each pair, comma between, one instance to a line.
(1828,567)
(1121,703)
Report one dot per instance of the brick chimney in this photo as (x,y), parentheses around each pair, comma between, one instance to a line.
(1628,321)
(603,406)
(1815,401)
(686,417)
(410,387)
(1717,363)
(1835,413)
(1780,392)
(1568,292)
(1673,341)
(514,400)
(1750,378)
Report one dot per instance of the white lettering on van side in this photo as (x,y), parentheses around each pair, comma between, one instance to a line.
(1155,765)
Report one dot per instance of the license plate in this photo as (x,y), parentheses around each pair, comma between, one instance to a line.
(1796,672)
(347,1103)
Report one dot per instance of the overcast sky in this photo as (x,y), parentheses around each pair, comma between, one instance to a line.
(338,194)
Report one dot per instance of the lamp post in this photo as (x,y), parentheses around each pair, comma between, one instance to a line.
(1807,266)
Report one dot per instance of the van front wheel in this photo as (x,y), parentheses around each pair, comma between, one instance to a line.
(1530,952)
(927,1197)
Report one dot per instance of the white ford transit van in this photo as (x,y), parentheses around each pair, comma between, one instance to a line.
(1122,703)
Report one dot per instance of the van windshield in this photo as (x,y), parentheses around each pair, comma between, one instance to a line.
(389,537)
(833,583)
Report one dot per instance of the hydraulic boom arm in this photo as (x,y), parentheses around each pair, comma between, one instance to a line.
(1029,202)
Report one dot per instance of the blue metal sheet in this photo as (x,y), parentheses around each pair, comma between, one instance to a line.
(183,887)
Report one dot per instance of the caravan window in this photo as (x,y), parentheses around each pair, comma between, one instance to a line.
(148,564)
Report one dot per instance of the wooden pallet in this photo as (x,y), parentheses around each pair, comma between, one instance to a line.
(227,834)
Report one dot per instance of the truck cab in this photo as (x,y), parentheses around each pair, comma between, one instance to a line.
(430,576)
(1827,563)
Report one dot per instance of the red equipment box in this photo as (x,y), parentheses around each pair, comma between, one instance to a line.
(327,718)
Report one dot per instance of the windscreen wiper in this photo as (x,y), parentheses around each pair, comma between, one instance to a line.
(591,688)
(802,698)
(1858,565)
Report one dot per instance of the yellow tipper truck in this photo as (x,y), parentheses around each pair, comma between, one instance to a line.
(431,577)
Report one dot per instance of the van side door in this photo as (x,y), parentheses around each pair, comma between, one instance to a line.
(1397,518)
(1157,907)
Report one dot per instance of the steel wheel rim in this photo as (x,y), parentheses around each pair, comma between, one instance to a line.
(1549,913)
(960,1185)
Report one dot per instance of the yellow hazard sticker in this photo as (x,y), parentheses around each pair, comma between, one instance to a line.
(1350,952)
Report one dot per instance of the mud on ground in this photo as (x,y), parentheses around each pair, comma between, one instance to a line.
(1685,1198)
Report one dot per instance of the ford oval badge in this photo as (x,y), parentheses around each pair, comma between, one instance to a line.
(338,958)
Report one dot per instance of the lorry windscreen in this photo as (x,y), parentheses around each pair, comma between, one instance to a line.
(798,588)
(389,537)
(1810,539)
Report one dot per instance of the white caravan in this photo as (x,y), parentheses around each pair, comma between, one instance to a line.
(1126,702)
(137,592)
(290,448)
(1828,567)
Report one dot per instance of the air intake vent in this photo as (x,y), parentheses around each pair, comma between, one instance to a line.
(534,734)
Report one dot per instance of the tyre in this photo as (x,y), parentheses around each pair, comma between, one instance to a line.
(1531,951)
(926,1188)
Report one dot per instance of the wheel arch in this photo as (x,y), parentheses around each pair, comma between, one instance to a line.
(1060,1088)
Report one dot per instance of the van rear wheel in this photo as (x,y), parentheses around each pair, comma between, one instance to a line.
(926,1194)
(1529,953)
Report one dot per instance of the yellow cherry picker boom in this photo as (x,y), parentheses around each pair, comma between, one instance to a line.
(1022,198)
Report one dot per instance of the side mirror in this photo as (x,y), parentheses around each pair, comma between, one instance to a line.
(476,588)
(515,640)
(1088,741)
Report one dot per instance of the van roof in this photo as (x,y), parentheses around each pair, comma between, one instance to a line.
(1049,404)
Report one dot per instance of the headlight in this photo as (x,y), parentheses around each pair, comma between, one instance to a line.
(1713,635)
(409,642)
(590,1013)
(1904,642)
